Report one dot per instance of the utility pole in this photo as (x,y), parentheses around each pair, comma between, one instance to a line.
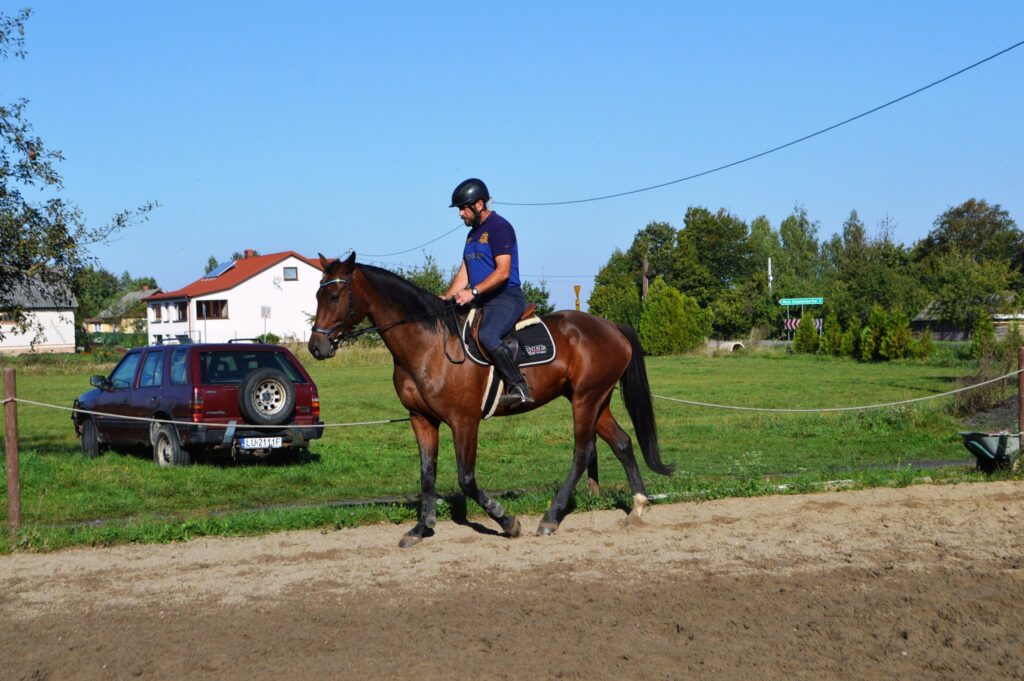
(644,273)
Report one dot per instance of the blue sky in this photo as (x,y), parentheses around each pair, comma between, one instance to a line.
(336,126)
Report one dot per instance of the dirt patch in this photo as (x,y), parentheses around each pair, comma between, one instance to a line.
(924,583)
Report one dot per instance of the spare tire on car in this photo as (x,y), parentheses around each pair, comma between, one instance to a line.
(266,397)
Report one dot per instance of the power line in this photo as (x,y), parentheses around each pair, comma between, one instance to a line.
(385,255)
(773,149)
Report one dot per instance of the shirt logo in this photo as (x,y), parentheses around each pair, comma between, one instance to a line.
(483,238)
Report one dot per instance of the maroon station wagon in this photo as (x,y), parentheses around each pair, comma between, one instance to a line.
(236,385)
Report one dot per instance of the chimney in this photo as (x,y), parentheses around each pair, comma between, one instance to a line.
(145,287)
(249,253)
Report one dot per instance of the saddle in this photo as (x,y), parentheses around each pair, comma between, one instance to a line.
(530,339)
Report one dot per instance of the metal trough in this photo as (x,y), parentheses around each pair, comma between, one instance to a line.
(994,451)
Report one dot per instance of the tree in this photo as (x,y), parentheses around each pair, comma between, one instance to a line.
(427,276)
(986,232)
(670,321)
(539,296)
(46,241)
(964,290)
(617,300)
(718,249)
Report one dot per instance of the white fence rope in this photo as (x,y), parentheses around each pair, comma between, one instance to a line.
(198,423)
(822,410)
(819,410)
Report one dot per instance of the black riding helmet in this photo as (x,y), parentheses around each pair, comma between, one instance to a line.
(468,192)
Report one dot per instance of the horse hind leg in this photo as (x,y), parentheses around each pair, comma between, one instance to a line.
(583,455)
(612,433)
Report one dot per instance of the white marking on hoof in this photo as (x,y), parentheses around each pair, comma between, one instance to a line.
(640,505)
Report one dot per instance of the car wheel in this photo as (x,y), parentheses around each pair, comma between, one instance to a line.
(90,439)
(266,397)
(167,449)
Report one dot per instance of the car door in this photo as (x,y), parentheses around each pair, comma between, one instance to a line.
(116,401)
(145,397)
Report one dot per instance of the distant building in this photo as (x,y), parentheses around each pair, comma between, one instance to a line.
(929,318)
(244,298)
(51,314)
(127,315)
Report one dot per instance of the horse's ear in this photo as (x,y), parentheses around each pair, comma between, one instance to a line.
(351,260)
(324,262)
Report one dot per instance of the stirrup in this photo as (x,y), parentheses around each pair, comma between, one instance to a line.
(516,397)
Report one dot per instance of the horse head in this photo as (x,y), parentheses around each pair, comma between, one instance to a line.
(336,309)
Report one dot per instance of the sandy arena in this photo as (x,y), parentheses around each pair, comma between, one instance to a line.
(917,583)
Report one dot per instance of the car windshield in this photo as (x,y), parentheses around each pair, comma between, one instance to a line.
(124,374)
(231,366)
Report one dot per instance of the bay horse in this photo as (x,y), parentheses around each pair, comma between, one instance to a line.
(421,332)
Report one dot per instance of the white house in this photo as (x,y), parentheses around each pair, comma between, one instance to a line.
(245,298)
(51,317)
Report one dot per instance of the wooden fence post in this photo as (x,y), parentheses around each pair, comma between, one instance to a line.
(1020,395)
(11,442)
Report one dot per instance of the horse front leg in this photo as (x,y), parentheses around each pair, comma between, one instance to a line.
(465,436)
(426,437)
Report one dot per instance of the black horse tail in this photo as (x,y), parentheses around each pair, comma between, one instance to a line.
(636,393)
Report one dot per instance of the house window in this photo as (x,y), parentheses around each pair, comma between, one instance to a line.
(181,311)
(157,312)
(291,273)
(212,309)
(97,327)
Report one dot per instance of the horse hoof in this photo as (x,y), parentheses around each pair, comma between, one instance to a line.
(546,528)
(409,540)
(634,520)
(515,530)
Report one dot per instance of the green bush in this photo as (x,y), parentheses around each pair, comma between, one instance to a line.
(831,337)
(670,322)
(924,346)
(268,337)
(897,340)
(850,345)
(867,344)
(806,337)
(983,338)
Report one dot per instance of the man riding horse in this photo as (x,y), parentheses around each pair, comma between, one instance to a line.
(489,278)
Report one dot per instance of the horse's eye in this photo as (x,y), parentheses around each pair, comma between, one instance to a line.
(335,297)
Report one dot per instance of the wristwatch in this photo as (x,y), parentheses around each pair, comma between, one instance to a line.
(474,292)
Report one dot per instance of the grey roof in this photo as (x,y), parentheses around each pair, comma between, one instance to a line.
(125,303)
(34,294)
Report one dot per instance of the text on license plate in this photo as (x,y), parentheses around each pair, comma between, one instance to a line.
(260,442)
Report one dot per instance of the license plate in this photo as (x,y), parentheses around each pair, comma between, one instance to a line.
(260,442)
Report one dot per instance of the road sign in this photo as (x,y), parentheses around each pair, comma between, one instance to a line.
(801,301)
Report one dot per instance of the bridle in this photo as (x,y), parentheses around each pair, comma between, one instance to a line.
(339,338)
(345,335)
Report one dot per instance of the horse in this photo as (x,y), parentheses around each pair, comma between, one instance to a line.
(421,331)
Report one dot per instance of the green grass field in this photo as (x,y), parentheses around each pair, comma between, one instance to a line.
(717,453)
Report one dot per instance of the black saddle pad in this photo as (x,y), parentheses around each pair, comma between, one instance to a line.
(536,346)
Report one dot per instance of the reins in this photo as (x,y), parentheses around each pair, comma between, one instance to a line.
(344,336)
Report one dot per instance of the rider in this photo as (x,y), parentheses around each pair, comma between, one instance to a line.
(489,276)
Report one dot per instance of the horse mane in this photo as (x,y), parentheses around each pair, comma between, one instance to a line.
(410,299)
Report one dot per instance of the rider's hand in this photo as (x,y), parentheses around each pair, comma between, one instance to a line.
(464,296)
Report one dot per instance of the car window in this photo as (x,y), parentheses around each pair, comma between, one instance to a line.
(124,373)
(231,366)
(179,366)
(152,369)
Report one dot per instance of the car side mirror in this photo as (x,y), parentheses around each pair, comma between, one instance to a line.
(100,382)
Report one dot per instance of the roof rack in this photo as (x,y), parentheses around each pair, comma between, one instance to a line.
(173,340)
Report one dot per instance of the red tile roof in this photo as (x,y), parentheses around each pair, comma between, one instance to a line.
(244,269)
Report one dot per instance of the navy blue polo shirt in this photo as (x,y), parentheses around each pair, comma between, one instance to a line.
(493,237)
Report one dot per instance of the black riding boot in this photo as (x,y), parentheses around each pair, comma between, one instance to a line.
(518,391)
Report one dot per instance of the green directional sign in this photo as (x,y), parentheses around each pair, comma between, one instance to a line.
(801,301)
